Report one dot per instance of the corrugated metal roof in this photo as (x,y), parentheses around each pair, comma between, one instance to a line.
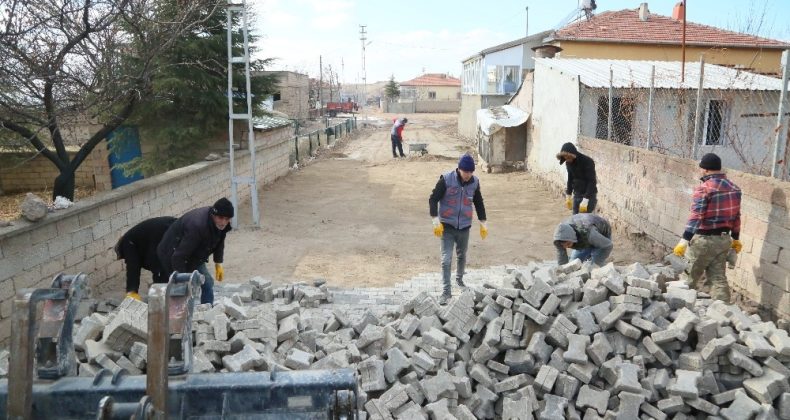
(268,122)
(538,37)
(636,74)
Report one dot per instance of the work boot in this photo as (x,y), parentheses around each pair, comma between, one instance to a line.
(443,299)
(460,283)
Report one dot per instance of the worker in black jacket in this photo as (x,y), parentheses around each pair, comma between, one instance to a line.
(581,179)
(137,247)
(189,241)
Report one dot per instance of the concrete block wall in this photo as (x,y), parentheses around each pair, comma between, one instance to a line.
(19,173)
(80,239)
(438,106)
(400,107)
(650,193)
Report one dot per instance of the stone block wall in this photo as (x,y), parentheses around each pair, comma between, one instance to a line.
(80,239)
(20,173)
(651,193)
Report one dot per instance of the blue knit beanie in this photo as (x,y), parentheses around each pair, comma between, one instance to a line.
(466,163)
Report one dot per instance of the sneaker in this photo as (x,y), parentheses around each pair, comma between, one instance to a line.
(460,283)
(443,299)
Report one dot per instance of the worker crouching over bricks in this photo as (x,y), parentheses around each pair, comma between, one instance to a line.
(137,247)
(589,235)
(190,240)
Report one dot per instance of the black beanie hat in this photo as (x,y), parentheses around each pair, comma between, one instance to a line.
(223,207)
(710,162)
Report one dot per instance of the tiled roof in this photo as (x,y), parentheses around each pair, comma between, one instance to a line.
(433,79)
(625,26)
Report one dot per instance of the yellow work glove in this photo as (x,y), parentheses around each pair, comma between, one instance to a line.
(220,273)
(134,295)
(483,229)
(569,202)
(583,206)
(737,246)
(438,227)
(680,248)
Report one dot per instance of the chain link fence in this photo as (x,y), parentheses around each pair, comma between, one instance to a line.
(304,146)
(736,120)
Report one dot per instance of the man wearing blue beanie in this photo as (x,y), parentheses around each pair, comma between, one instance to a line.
(454,194)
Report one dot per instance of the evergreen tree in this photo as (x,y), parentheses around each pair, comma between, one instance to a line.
(188,103)
(392,89)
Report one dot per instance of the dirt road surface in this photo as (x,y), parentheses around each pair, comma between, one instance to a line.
(357,217)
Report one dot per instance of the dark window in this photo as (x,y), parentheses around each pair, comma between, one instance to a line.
(713,122)
(622,119)
(431,95)
(276,96)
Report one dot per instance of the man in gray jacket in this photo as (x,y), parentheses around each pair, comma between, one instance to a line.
(589,235)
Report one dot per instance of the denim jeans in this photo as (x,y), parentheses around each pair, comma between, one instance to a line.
(458,238)
(577,200)
(597,255)
(207,288)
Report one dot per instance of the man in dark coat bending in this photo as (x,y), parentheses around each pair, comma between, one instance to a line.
(189,241)
(581,179)
(137,247)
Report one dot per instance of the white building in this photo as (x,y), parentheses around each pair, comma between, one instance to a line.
(490,77)
(737,116)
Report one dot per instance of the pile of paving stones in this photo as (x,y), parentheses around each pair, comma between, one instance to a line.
(536,341)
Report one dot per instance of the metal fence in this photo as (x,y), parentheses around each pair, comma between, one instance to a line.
(306,146)
(737,121)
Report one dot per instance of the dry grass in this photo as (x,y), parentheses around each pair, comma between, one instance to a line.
(11,202)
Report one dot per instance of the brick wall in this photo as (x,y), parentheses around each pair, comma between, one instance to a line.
(81,238)
(20,173)
(650,193)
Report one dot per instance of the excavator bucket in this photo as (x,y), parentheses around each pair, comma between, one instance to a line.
(45,386)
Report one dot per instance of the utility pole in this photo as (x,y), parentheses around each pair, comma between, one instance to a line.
(683,46)
(527,29)
(363,38)
(320,81)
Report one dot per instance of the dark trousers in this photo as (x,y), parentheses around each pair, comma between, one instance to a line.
(136,262)
(396,143)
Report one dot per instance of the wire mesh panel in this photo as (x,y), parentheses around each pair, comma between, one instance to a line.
(737,123)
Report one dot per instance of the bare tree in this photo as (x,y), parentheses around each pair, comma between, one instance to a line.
(68,62)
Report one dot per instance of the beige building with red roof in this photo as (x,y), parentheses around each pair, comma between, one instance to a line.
(638,34)
(431,87)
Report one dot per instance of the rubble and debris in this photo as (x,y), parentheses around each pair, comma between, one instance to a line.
(535,341)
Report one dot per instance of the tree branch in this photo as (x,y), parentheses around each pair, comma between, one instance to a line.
(35,141)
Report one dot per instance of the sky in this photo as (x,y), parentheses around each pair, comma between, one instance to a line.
(407,38)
